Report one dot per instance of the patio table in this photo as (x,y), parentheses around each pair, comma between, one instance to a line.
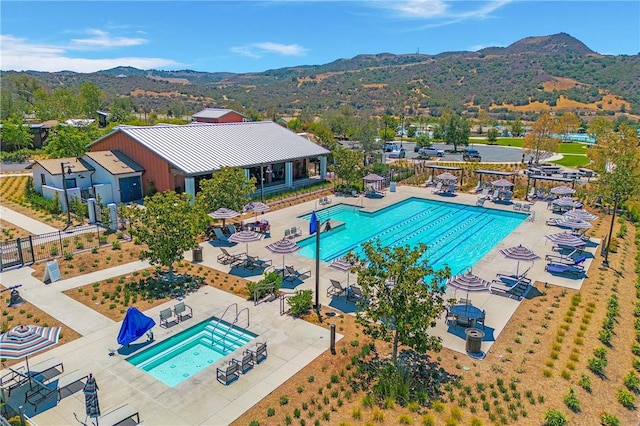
(469,313)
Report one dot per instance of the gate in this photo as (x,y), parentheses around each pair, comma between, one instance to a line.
(16,252)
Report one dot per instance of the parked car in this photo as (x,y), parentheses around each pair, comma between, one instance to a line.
(470,154)
(398,153)
(430,152)
(390,146)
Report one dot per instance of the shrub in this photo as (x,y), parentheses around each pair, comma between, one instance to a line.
(626,398)
(301,303)
(585,382)
(555,418)
(632,381)
(572,401)
(597,365)
(609,420)
(271,278)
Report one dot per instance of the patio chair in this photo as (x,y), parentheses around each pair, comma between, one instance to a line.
(292,274)
(231,228)
(507,197)
(559,269)
(485,193)
(482,319)
(254,262)
(355,294)
(287,233)
(166,317)
(438,188)
(532,193)
(480,202)
(429,181)
(496,195)
(259,353)
(245,364)
(228,374)
(45,389)
(180,310)
(565,259)
(526,208)
(295,231)
(44,370)
(227,258)
(119,415)
(517,206)
(335,289)
(219,235)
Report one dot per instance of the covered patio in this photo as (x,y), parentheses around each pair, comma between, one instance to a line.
(443,169)
(481,173)
(555,179)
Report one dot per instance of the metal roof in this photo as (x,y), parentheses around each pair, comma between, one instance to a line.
(213,113)
(200,148)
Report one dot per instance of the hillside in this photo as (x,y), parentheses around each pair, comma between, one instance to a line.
(549,72)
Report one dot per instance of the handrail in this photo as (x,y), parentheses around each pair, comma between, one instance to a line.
(241,311)
(268,286)
(224,338)
(215,327)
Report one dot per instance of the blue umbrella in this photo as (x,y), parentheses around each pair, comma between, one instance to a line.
(92,405)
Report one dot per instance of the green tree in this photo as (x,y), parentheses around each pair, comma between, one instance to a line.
(15,135)
(399,307)
(91,99)
(567,123)
(365,133)
(388,126)
(70,141)
(616,158)
(599,127)
(517,128)
(348,164)
(455,130)
(228,187)
(323,135)
(122,109)
(492,135)
(169,224)
(539,139)
(60,104)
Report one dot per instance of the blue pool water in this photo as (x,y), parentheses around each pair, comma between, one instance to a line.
(179,357)
(456,235)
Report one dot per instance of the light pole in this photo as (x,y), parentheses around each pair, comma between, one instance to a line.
(605,262)
(66,193)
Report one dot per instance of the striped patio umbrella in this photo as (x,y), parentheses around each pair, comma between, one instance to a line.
(91,403)
(24,340)
(283,246)
(468,282)
(246,237)
(446,176)
(566,202)
(519,253)
(256,207)
(573,223)
(502,183)
(566,239)
(581,214)
(562,190)
(224,214)
(343,264)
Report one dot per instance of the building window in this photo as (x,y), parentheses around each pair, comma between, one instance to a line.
(71,183)
(43,179)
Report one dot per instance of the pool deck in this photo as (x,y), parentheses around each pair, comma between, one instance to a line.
(292,343)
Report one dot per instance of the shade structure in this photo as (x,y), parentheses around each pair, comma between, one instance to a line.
(566,239)
(519,253)
(566,202)
(283,247)
(246,237)
(581,214)
(134,325)
(446,176)
(256,207)
(224,214)
(343,264)
(24,340)
(502,183)
(562,190)
(468,282)
(91,403)
(573,223)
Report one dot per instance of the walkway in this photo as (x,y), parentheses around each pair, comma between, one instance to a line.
(25,222)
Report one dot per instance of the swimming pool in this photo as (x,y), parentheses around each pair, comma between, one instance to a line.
(174,360)
(456,235)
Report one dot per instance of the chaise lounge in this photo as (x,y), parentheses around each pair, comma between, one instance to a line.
(44,389)
(119,415)
(558,269)
(291,274)
(336,289)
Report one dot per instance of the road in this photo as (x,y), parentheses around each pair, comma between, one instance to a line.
(489,153)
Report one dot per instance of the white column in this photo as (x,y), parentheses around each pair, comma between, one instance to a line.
(288,173)
(323,167)
(113,216)
(190,187)
(91,205)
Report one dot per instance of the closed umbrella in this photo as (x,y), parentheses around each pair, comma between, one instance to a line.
(502,183)
(581,214)
(224,214)
(519,253)
(566,239)
(246,237)
(562,190)
(283,246)
(24,340)
(92,405)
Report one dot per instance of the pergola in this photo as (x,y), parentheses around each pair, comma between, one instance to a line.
(446,168)
(492,173)
(536,178)
(375,181)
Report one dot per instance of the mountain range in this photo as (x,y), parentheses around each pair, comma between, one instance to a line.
(555,72)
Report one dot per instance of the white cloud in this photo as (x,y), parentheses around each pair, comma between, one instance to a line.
(257,50)
(418,8)
(102,39)
(442,9)
(18,54)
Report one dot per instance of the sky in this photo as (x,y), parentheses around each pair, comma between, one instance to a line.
(253,36)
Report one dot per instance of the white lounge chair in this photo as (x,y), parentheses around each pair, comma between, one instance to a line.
(119,415)
(485,193)
(44,389)
(438,188)
(480,202)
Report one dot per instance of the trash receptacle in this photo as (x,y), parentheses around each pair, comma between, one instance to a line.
(474,340)
(197,254)
(392,187)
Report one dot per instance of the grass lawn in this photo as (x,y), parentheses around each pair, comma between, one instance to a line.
(517,142)
(572,148)
(573,160)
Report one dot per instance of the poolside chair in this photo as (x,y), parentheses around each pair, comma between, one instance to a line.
(219,235)
(292,274)
(295,232)
(507,197)
(355,294)
(438,188)
(45,389)
(228,374)
(559,269)
(259,353)
(119,415)
(496,195)
(482,318)
(227,258)
(44,370)
(480,202)
(245,364)
(429,181)
(336,289)
(565,259)
(254,262)
(485,193)
(231,228)
(526,207)
(287,233)
(180,310)
(166,317)
(532,193)
(517,206)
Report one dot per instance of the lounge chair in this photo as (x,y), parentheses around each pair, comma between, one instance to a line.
(517,206)
(559,269)
(532,194)
(507,197)
(119,415)
(496,195)
(44,370)
(480,202)
(292,274)
(180,310)
(429,181)
(254,262)
(438,188)
(355,294)
(232,259)
(295,232)
(482,318)
(515,291)
(526,207)
(287,233)
(245,364)
(219,235)
(259,353)
(565,259)
(44,389)
(231,228)
(228,374)
(166,317)
(485,193)
(336,289)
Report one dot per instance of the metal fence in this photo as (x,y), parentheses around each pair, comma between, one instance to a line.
(34,248)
